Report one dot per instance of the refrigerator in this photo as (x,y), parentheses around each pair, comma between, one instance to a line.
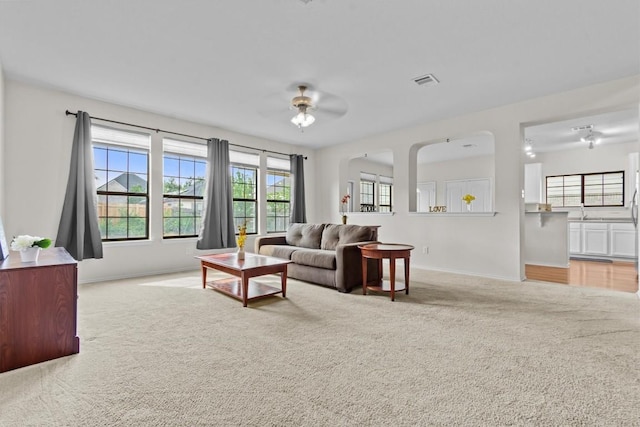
(633,204)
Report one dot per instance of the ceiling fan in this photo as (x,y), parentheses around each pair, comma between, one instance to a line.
(306,107)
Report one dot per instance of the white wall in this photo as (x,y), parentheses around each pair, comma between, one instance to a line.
(487,246)
(38,150)
(3,177)
(546,239)
(468,168)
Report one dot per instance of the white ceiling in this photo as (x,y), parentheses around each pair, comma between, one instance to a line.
(612,128)
(235,64)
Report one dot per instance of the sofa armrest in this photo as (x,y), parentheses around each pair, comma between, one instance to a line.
(349,266)
(269,240)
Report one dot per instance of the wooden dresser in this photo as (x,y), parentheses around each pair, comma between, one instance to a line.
(38,308)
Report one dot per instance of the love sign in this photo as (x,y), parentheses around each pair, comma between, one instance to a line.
(437,208)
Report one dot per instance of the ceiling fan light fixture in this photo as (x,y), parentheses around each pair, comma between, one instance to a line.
(303,118)
(593,138)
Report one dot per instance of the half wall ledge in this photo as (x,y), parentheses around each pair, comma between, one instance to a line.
(453,214)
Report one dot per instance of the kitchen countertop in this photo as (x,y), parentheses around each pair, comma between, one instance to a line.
(595,219)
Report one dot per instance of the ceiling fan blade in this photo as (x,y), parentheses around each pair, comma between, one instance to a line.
(331,104)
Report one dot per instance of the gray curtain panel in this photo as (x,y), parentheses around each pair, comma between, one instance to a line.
(218,230)
(298,205)
(78,231)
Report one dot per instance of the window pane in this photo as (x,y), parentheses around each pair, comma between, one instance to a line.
(102,225)
(116,228)
(186,187)
(171,185)
(137,227)
(171,227)
(137,183)
(200,170)
(117,206)
(117,160)
(199,187)
(171,166)
(137,207)
(187,167)
(100,158)
(138,163)
(187,226)
(186,207)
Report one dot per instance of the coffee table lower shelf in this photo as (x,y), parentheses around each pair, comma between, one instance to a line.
(232,286)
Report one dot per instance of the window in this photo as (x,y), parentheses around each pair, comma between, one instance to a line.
(122,172)
(184,166)
(278,195)
(591,189)
(244,179)
(367,193)
(386,184)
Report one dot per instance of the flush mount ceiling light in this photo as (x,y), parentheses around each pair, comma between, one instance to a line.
(302,103)
(528,148)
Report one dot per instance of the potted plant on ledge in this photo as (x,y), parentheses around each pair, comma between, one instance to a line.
(343,207)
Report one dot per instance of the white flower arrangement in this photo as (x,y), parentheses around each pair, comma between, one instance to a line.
(25,241)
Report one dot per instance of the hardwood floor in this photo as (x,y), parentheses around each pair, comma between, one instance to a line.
(618,276)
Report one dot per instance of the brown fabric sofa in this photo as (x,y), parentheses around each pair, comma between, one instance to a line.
(325,254)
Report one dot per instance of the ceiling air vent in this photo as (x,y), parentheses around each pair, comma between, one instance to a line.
(582,128)
(428,79)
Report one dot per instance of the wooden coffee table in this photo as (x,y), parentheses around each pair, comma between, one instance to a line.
(390,251)
(241,286)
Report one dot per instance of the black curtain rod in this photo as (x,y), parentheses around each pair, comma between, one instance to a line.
(69,113)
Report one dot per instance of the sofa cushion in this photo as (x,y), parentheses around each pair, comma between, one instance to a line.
(315,258)
(305,235)
(335,234)
(278,251)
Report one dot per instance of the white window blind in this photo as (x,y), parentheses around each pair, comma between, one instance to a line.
(364,176)
(279,164)
(239,157)
(185,148)
(106,135)
(386,180)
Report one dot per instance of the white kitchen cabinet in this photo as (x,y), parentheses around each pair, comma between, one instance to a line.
(595,239)
(533,183)
(602,239)
(575,238)
(622,240)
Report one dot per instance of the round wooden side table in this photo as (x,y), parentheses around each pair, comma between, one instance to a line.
(390,251)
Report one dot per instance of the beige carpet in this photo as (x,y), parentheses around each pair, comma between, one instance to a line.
(458,350)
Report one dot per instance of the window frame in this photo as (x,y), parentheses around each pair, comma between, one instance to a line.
(602,194)
(383,207)
(279,172)
(237,221)
(180,197)
(368,207)
(107,194)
